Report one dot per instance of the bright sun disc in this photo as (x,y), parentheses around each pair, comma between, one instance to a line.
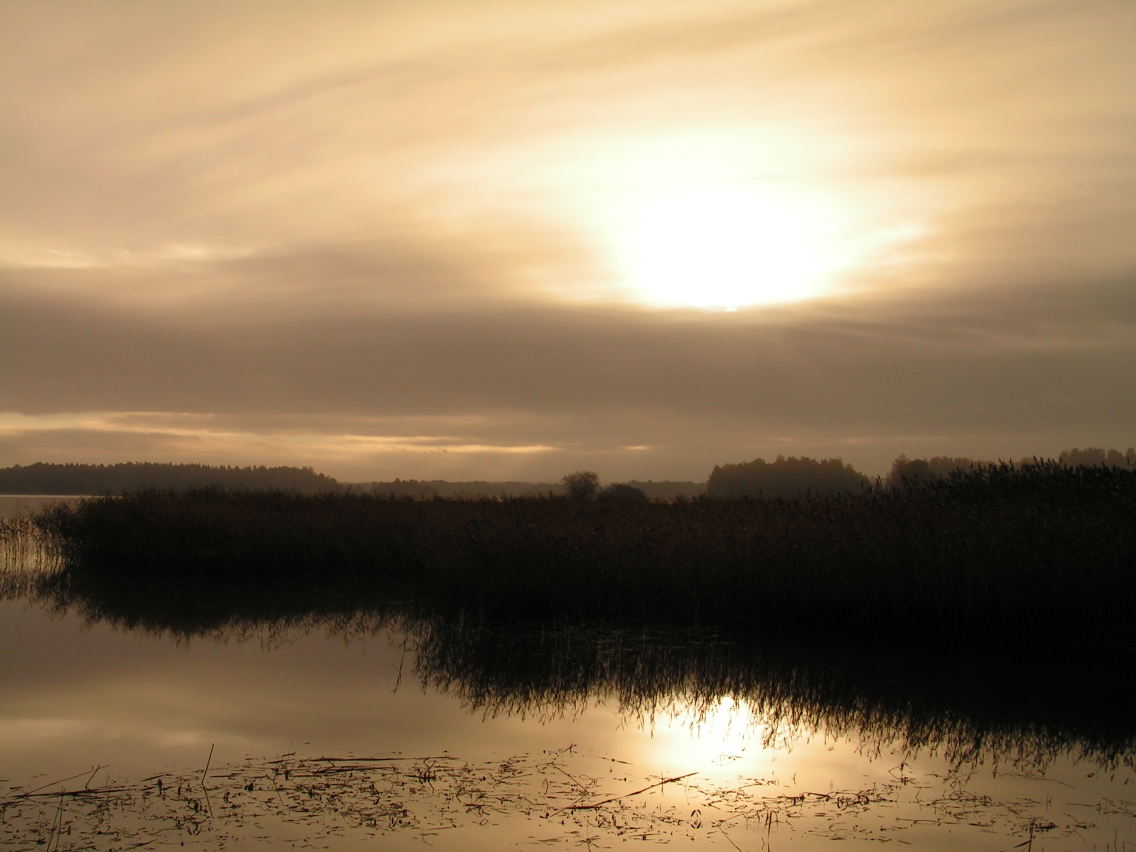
(720,249)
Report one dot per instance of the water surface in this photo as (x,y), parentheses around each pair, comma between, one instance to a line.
(334,733)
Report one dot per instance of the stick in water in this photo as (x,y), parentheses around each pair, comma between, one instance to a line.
(207,762)
(627,795)
(208,803)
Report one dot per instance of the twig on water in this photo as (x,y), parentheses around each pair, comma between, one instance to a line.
(57,825)
(595,805)
(207,762)
(570,778)
(92,778)
(60,781)
(73,793)
(204,789)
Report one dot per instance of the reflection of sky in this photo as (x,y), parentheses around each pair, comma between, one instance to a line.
(12,505)
(72,698)
(503,239)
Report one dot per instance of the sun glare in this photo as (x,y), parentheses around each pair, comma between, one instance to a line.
(724,218)
(726,248)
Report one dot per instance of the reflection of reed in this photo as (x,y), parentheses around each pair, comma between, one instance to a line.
(1007,706)
(970,709)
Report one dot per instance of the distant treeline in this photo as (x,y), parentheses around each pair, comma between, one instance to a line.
(796,477)
(669,489)
(912,471)
(905,471)
(782,478)
(43,478)
(425,489)
(1092,456)
(785,477)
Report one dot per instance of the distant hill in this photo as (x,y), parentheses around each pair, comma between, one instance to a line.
(43,478)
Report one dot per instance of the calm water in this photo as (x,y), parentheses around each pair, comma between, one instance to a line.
(349,732)
(26,504)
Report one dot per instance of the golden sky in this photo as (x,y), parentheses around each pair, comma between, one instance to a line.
(507,240)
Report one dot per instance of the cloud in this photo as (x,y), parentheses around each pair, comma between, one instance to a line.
(385,221)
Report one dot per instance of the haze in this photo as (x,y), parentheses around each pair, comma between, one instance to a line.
(482,240)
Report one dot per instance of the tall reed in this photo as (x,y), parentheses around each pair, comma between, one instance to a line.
(26,545)
(1040,553)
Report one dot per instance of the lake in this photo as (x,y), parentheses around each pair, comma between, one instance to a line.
(346,730)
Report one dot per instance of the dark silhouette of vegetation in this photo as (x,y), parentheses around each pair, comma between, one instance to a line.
(622,491)
(668,489)
(90,479)
(414,488)
(1092,456)
(425,489)
(581,485)
(1041,555)
(42,478)
(785,477)
(905,471)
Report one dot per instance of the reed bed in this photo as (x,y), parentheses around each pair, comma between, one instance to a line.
(26,545)
(28,556)
(1034,554)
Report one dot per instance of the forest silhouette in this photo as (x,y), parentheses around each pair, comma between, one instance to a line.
(785,477)
(40,478)
(782,478)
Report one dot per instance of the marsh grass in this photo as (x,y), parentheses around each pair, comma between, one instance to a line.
(1041,554)
(28,555)
(25,545)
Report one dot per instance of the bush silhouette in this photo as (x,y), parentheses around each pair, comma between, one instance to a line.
(581,485)
(621,491)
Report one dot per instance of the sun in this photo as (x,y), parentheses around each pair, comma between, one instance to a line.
(725,248)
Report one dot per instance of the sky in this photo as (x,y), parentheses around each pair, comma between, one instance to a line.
(507,240)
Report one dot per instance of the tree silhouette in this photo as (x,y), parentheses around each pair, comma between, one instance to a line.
(581,485)
(785,477)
